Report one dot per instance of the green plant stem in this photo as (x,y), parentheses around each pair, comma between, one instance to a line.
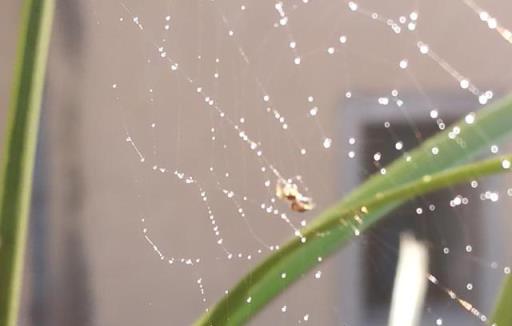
(490,125)
(502,313)
(265,281)
(19,151)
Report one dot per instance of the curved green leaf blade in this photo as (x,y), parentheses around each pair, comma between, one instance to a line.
(19,151)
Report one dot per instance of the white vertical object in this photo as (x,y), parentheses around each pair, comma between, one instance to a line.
(410,282)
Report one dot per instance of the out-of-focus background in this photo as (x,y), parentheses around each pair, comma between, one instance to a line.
(151,198)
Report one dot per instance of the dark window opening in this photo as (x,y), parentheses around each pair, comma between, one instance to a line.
(441,226)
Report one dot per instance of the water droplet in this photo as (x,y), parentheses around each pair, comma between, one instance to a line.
(383,100)
(327,142)
(424,49)
(470,118)
(352,6)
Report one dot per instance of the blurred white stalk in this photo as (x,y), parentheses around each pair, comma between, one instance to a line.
(410,282)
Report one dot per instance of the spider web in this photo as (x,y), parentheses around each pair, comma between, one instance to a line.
(235,97)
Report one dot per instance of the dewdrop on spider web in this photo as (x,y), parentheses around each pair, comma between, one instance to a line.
(288,191)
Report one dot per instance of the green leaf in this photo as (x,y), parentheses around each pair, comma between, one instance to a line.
(502,313)
(19,151)
(405,178)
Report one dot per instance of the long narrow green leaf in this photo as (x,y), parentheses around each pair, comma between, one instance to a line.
(265,281)
(19,151)
(332,228)
(502,313)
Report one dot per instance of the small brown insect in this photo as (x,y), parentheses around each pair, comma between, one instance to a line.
(288,191)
